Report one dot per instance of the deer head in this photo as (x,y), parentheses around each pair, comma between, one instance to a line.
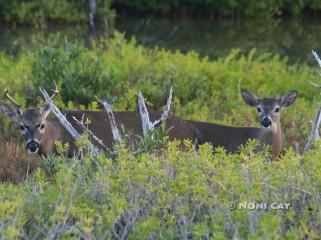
(31,122)
(269,108)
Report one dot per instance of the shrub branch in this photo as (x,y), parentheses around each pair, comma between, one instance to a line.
(67,125)
(146,123)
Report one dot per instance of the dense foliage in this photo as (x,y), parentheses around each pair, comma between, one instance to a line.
(204,89)
(37,13)
(177,194)
(224,8)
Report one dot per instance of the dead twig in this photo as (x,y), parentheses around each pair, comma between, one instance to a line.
(316,123)
(111,118)
(146,123)
(94,151)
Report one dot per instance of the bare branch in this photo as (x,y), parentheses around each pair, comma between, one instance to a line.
(111,118)
(314,131)
(146,123)
(315,84)
(64,122)
(316,57)
(167,108)
(316,123)
(86,129)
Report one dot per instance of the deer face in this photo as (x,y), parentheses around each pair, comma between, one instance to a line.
(31,122)
(269,108)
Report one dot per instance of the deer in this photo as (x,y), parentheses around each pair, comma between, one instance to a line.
(40,132)
(269,132)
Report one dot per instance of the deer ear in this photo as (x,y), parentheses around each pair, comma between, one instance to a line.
(13,113)
(250,98)
(288,99)
(45,110)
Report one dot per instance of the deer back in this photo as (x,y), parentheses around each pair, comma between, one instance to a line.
(99,124)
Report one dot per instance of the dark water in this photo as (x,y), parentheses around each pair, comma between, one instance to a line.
(16,39)
(293,38)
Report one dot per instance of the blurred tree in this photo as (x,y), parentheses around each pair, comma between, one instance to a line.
(91,21)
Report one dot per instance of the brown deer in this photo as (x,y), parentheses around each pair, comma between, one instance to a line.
(231,138)
(41,133)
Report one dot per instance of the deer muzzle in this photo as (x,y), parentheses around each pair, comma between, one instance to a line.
(33,146)
(266,122)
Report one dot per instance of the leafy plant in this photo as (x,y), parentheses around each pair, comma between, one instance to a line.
(37,13)
(175,194)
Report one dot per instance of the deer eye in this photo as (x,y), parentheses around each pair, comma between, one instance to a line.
(277,109)
(22,128)
(259,109)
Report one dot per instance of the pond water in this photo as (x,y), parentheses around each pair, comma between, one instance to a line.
(293,38)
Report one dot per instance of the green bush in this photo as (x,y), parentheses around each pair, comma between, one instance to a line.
(37,13)
(176,195)
(204,89)
(79,73)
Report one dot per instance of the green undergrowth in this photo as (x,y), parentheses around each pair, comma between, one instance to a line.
(37,13)
(176,195)
(206,90)
(174,192)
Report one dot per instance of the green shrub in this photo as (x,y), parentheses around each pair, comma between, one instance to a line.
(79,72)
(37,13)
(175,195)
(204,89)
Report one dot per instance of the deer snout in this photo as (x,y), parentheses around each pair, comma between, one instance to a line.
(266,122)
(33,146)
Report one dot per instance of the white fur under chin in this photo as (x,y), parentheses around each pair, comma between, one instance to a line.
(33,152)
(271,128)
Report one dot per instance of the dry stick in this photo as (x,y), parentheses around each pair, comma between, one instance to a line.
(146,123)
(64,122)
(167,108)
(111,118)
(316,57)
(82,125)
(314,132)
(316,123)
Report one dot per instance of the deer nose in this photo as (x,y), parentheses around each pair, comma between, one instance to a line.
(33,146)
(266,122)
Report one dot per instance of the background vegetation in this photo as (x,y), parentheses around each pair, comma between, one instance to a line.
(37,13)
(204,89)
(178,194)
(229,8)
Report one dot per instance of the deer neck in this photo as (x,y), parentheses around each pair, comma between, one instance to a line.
(273,137)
